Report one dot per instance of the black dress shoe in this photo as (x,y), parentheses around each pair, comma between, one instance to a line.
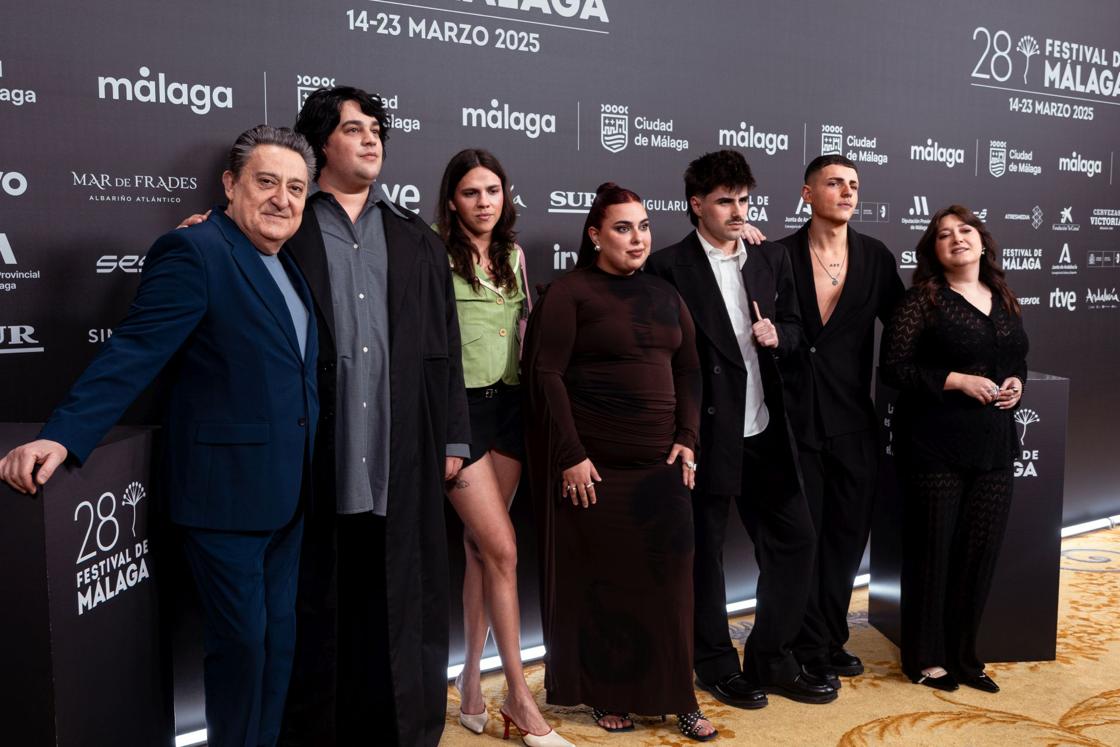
(822,673)
(946,682)
(803,689)
(735,691)
(981,682)
(845,663)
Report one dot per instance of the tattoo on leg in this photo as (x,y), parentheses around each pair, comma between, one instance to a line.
(460,484)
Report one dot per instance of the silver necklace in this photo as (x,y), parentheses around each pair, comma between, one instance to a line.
(835,278)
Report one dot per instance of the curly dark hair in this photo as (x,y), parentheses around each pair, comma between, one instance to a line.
(930,275)
(321,111)
(459,246)
(722,168)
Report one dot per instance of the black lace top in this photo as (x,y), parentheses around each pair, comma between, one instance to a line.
(948,430)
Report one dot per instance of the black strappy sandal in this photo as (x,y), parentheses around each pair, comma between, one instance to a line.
(599,715)
(689,723)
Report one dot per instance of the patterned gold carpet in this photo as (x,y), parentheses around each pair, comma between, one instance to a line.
(1074,700)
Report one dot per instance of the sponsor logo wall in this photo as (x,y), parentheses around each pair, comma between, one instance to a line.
(155,88)
(1013,113)
(108,149)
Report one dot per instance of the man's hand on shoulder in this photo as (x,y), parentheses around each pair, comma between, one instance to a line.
(751,235)
(17,466)
(194,220)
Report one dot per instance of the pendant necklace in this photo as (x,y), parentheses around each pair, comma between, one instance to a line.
(835,278)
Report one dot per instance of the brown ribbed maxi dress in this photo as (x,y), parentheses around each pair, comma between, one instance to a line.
(612,375)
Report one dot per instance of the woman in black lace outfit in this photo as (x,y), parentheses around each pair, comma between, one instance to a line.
(956,350)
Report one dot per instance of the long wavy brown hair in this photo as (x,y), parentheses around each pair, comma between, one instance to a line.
(459,245)
(930,275)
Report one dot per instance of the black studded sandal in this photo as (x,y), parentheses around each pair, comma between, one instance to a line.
(599,715)
(689,724)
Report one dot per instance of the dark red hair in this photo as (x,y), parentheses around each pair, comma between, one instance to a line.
(606,195)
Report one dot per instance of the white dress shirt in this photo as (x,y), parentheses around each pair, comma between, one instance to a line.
(728,270)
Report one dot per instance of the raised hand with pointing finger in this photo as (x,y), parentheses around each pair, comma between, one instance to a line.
(765,333)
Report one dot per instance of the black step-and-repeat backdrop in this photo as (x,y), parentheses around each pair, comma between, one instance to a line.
(115,118)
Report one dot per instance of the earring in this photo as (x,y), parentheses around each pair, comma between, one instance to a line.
(597,247)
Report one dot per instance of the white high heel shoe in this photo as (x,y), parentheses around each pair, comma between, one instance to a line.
(476,722)
(551,739)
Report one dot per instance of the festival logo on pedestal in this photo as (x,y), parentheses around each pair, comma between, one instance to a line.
(110,563)
(1025,464)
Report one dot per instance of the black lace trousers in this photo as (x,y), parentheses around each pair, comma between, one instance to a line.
(954,525)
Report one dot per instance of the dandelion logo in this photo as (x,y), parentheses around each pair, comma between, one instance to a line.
(1024,417)
(1028,47)
(133,494)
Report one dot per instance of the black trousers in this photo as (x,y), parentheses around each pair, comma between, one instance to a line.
(954,524)
(776,516)
(342,689)
(840,480)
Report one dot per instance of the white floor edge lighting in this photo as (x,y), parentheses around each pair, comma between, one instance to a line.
(535,653)
(191,738)
(1109,522)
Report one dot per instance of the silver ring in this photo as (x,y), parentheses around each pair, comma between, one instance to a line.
(691,465)
(569,487)
(589,485)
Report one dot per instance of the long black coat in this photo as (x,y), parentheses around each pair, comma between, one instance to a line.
(769,281)
(828,378)
(428,410)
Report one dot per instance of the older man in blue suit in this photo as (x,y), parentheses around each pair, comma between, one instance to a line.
(229,315)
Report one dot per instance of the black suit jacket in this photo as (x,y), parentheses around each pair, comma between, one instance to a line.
(429,410)
(769,281)
(828,378)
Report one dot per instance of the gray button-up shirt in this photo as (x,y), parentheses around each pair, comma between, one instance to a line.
(358,266)
(357,261)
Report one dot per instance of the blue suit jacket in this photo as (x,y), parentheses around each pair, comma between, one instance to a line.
(242,403)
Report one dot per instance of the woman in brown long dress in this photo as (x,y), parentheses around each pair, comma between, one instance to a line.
(614,389)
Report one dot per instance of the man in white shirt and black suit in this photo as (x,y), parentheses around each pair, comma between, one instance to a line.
(746,312)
